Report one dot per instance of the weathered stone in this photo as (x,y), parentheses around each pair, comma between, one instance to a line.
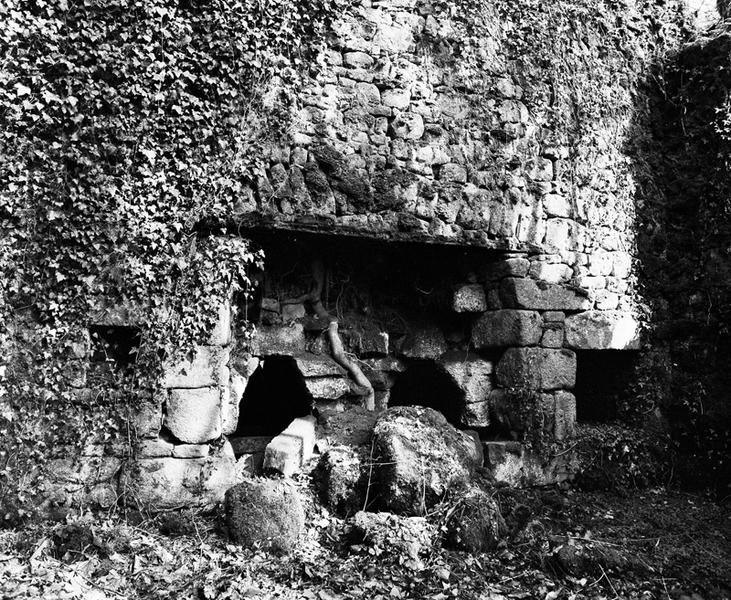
(341,479)
(359,60)
(327,388)
(408,125)
(476,414)
(602,330)
(194,416)
(318,365)
(557,205)
(424,342)
(351,428)
(287,452)
(271,341)
(550,272)
(469,298)
(221,334)
(537,369)
(146,419)
(453,172)
(191,450)
(163,483)
(507,327)
(553,335)
(155,448)
(539,295)
(511,464)
(419,457)
(231,401)
(475,523)
(472,374)
(409,538)
(510,267)
(265,513)
(250,444)
(396,98)
(369,340)
(204,370)
(564,415)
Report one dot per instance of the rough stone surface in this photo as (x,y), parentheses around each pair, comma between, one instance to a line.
(475,524)
(191,450)
(194,416)
(537,369)
(265,513)
(327,388)
(161,483)
(351,428)
(341,479)
(221,334)
(205,369)
(318,365)
(85,480)
(419,458)
(286,340)
(471,373)
(599,330)
(540,295)
(547,417)
(507,327)
(469,298)
(287,452)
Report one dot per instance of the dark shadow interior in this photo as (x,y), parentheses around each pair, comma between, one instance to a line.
(424,383)
(275,395)
(602,377)
(114,344)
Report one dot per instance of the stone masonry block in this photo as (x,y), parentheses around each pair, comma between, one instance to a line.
(507,327)
(327,388)
(540,295)
(194,416)
(284,340)
(469,298)
(537,369)
(472,374)
(287,452)
(602,330)
(206,368)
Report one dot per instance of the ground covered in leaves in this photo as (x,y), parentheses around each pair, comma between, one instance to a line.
(561,544)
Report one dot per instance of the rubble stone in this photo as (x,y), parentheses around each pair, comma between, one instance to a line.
(507,327)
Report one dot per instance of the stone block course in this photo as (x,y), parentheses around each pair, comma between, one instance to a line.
(194,415)
(539,295)
(206,368)
(469,298)
(537,369)
(507,327)
(602,330)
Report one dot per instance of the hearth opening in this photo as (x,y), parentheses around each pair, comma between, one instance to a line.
(424,383)
(602,378)
(275,395)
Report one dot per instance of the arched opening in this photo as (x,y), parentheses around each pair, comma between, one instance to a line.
(275,395)
(424,383)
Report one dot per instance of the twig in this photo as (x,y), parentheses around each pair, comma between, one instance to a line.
(609,581)
(370,473)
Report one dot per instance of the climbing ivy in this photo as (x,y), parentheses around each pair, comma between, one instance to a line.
(123,124)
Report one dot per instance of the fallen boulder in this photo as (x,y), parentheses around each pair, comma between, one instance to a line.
(419,458)
(265,513)
(341,479)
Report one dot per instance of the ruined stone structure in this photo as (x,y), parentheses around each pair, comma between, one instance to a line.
(472,249)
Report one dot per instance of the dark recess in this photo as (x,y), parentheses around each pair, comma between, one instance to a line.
(602,377)
(276,394)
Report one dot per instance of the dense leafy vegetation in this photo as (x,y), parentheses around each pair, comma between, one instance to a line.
(122,125)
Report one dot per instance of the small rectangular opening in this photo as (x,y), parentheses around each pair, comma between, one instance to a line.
(602,379)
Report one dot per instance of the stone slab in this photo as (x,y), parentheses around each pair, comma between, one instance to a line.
(206,368)
(469,298)
(194,416)
(537,369)
(507,327)
(285,340)
(288,451)
(327,388)
(539,295)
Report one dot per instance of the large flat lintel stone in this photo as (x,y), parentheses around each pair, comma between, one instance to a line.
(507,327)
(602,330)
(327,388)
(537,369)
(318,365)
(539,295)
(286,340)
